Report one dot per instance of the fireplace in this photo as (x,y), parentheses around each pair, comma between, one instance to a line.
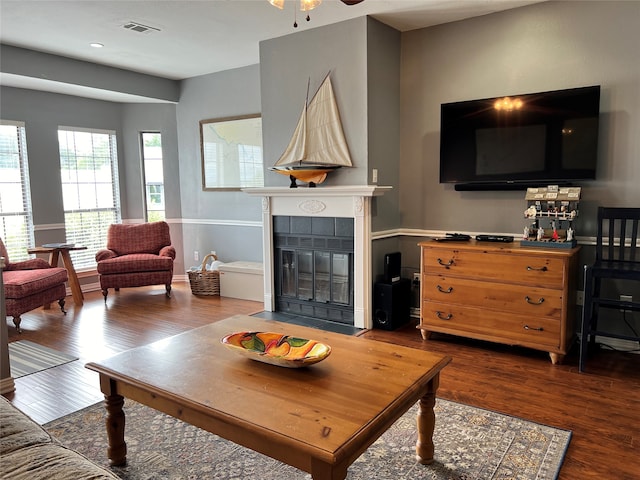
(343,202)
(313,267)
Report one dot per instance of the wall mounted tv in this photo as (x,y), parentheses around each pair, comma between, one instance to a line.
(520,141)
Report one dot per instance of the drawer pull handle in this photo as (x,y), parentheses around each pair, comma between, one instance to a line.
(538,329)
(441,316)
(448,290)
(448,264)
(537,269)
(528,300)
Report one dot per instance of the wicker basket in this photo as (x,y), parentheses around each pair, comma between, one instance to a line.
(203,281)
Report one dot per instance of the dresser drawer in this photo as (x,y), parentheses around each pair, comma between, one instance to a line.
(493,326)
(522,299)
(540,270)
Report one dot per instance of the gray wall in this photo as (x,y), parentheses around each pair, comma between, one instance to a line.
(288,63)
(363,56)
(227,222)
(144,117)
(44,112)
(391,122)
(44,66)
(383,120)
(547,46)
(138,118)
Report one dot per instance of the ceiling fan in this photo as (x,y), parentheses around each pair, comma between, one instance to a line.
(308,5)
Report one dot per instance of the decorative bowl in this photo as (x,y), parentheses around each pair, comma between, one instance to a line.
(277,349)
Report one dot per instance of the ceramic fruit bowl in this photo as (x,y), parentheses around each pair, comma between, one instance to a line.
(276,348)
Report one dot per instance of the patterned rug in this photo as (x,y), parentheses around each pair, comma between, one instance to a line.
(26,357)
(470,443)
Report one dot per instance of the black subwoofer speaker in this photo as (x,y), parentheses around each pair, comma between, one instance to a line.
(391,304)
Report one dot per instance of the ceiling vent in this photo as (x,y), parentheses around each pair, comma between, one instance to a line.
(139,27)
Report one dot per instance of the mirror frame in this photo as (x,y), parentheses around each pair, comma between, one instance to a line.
(222,121)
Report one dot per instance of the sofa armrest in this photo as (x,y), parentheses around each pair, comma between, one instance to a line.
(168,251)
(105,254)
(32,264)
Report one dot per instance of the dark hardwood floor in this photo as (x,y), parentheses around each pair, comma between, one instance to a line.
(601,407)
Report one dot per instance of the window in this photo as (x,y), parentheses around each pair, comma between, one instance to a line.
(16,221)
(89,172)
(153,176)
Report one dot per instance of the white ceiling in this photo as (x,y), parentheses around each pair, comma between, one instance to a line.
(195,37)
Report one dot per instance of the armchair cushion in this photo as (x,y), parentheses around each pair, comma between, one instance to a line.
(22,283)
(136,262)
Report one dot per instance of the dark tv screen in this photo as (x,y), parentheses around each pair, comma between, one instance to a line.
(533,139)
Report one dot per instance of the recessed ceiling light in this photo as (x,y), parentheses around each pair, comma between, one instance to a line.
(96,45)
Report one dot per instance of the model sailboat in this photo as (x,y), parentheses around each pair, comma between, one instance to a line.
(318,145)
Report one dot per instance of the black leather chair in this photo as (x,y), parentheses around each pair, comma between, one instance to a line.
(618,259)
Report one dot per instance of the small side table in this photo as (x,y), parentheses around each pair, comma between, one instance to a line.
(62,250)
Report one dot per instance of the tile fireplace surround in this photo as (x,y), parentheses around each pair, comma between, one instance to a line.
(339,201)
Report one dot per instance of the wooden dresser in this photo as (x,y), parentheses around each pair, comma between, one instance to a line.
(500,292)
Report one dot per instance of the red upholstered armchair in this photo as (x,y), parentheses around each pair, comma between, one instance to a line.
(31,284)
(136,255)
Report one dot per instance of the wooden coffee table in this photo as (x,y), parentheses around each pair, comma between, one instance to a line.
(318,419)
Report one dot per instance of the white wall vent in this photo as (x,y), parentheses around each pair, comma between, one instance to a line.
(139,27)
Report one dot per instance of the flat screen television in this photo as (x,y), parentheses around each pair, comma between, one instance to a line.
(520,141)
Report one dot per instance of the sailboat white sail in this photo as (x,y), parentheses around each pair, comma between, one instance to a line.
(318,144)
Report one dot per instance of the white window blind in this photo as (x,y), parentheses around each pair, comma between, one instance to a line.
(91,199)
(16,221)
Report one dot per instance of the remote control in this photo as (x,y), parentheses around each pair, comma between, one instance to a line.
(495,238)
(453,237)
(459,236)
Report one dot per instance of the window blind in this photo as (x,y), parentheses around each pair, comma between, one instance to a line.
(91,198)
(16,220)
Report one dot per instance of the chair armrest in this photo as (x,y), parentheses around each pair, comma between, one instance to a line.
(168,251)
(105,254)
(31,264)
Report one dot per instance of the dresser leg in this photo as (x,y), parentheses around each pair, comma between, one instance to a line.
(425,334)
(556,358)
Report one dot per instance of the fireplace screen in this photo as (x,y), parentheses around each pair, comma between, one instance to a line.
(314,267)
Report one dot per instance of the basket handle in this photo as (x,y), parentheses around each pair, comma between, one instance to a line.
(203,268)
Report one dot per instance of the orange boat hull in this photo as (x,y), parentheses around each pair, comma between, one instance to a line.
(307,176)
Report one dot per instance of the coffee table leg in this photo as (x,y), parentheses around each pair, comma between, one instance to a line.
(325,471)
(117,450)
(426,421)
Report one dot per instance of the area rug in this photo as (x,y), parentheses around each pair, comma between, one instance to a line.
(26,357)
(470,443)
